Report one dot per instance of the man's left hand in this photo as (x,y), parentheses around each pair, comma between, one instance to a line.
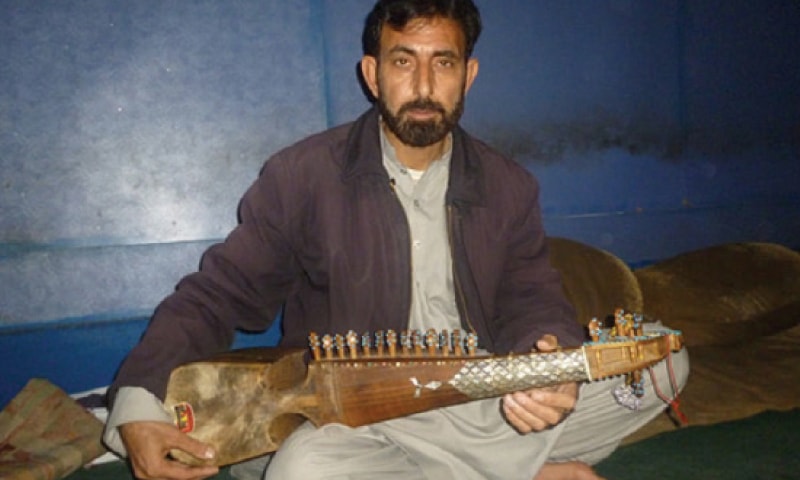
(538,409)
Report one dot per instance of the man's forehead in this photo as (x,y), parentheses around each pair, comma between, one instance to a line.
(435,33)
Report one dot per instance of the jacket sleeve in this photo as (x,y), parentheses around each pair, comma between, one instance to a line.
(530,299)
(241,284)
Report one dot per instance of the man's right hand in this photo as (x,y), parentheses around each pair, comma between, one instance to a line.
(148,445)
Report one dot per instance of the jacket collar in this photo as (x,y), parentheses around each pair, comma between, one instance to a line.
(363,156)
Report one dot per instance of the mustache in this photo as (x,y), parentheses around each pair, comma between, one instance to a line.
(422,104)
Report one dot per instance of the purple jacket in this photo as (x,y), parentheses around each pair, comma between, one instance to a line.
(322,234)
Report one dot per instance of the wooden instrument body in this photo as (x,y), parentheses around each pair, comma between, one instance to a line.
(245,403)
(235,402)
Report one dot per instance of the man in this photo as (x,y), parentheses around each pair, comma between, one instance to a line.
(398,220)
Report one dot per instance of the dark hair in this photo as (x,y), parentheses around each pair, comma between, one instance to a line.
(397,14)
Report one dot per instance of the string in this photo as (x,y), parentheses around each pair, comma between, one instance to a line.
(675,402)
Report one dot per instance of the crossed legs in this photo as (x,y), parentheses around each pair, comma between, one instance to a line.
(472,442)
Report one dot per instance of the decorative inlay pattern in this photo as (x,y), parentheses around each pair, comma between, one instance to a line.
(495,376)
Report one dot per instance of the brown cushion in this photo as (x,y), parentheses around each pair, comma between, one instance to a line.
(594,280)
(45,434)
(725,294)
(731,382)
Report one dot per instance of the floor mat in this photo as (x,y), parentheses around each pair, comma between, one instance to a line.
(120,471)
(766,446)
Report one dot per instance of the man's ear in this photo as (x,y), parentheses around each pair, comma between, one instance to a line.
(369,71)
(472,72)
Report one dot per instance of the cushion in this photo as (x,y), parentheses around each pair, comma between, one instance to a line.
(45,434)
(725,294)
(731,382)
(595,281)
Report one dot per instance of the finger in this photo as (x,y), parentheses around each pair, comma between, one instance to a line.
(192,446)
(543,405)
(169,469)
(519,425)
(556,399)
(547,343)
(513,413)
(527,415)
(548,405)
(148,445)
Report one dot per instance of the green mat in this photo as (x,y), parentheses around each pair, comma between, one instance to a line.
(766,446)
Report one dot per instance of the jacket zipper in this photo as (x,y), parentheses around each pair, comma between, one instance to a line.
(393,186)
(459,291)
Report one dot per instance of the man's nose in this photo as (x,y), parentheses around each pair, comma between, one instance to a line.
(424,80)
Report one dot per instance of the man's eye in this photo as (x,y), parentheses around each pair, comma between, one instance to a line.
(401,61)
(447,63)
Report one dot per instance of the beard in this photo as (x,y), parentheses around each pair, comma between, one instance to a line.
(421,133)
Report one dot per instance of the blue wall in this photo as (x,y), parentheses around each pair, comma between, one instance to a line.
(129,130)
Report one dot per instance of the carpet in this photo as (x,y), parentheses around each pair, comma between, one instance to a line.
(765,446)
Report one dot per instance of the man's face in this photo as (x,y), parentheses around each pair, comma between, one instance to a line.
(420,79)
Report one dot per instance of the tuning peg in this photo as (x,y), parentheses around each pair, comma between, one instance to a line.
(338,339)
(458,346)
(352,344)
(365,344)
(391,342)
(313,342)
(405,341)
(327,346)
(416,342)
(432,342)
(380,341)
(472,343)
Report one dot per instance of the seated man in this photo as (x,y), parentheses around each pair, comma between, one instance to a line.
(399,220)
